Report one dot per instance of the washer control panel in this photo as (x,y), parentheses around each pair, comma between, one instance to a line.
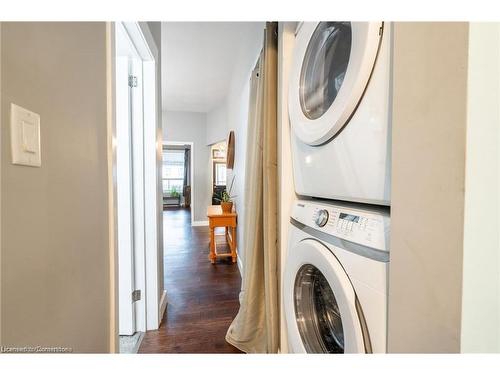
(321,217)
(365,226)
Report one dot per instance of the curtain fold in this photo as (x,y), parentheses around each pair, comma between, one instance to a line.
(256,327)
(186,188)
(186,167)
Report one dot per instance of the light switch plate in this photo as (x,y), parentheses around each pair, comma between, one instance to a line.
(25,136)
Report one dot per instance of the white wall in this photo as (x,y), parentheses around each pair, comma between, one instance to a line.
(445,271)
(155,28)
(192,127)
(481,270)
(217,125)
(236,109)
(428,182)
(55,274)
(155,299)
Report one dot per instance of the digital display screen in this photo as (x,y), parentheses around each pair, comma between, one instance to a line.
(348,217)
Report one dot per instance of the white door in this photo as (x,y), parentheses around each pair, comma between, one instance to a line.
(320,302)
(124,198)
(130,185)
(332,64)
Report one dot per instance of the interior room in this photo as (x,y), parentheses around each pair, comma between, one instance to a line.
(268,187)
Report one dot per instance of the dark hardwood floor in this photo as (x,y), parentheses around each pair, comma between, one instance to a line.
(202,298)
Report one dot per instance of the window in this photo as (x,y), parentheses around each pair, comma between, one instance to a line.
(173,171)
(220,173)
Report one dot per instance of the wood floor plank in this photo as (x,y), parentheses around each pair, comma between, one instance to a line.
(203,299)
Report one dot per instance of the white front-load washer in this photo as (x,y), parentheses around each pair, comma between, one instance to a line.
(340,103)
(336,278)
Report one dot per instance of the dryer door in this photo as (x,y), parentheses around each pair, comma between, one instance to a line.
(332,64)
(320,303)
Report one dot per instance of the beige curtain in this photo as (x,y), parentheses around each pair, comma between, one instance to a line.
(256,327)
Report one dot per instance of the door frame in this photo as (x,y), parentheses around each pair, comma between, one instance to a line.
(191,171)
(154,294)
(129,198)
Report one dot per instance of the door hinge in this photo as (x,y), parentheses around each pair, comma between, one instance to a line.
(132,81)
(136,295)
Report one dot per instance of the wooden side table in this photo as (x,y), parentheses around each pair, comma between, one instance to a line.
(217,218)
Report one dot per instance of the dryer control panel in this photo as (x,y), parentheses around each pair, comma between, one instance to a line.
(364,226)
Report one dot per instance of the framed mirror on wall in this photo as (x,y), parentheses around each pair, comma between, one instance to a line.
(219,173)
(218,154)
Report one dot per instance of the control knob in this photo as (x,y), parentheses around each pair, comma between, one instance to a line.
(322,218)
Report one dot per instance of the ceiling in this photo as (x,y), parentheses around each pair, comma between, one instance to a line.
(198,61)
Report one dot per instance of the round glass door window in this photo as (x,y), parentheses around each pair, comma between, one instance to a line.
(317,313)
(324,67)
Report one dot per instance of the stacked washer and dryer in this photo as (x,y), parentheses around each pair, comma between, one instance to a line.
(335,283)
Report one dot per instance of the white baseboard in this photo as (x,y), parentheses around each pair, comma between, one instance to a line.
(200,223)
(163,304)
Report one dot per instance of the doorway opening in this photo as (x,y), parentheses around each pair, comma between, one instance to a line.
(178,190)
(177,175)
(202,298)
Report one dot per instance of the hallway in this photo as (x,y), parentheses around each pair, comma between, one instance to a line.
(202,298)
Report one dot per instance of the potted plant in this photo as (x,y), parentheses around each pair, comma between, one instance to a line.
(226,200)
(174,193)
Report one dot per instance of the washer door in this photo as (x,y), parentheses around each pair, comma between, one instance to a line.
(320,302)
(332,64)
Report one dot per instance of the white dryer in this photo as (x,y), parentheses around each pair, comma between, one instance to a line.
(336,278)
(340,107)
